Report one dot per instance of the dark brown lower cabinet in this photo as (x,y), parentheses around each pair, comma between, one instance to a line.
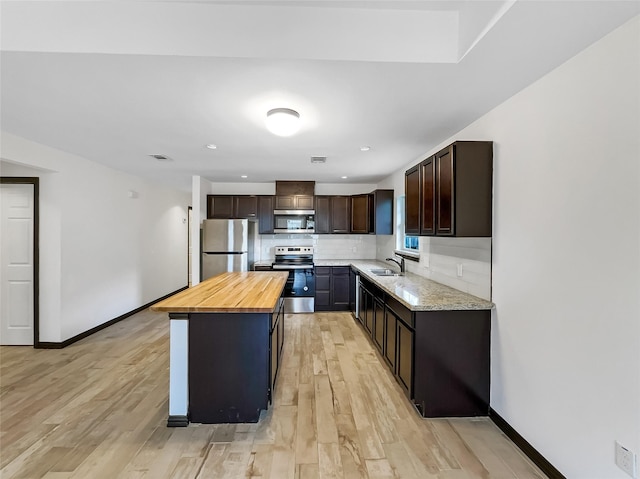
(404,357)
(368,311)
(362,301)
(332,288)
(390,327)
(233,364)
(441,359)
(452,363)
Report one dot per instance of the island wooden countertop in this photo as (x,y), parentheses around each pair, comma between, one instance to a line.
(247,292)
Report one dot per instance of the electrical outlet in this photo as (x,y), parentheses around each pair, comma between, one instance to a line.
(459,266)
(626,460)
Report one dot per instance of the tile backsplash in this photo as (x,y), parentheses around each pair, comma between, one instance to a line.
(462,263)
(326,246)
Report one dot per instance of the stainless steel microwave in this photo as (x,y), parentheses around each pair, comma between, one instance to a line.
(294,221)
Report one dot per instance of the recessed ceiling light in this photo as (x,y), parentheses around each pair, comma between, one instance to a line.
(243,176)
(211,146)
(365,148)
(318,159)
(283,121)
(344,177)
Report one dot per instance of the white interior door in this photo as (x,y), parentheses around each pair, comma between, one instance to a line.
(16,264)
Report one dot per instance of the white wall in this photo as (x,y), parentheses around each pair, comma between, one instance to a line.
(566,257)
(102,253)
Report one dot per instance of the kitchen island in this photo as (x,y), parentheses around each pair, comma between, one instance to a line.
(226,339)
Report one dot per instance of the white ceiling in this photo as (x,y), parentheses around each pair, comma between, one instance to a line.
(114,82)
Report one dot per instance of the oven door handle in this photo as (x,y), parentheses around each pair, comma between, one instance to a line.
(292,266)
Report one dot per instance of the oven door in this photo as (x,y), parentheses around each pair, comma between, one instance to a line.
(299,290)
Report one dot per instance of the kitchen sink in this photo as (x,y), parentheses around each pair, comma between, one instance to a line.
(384,272)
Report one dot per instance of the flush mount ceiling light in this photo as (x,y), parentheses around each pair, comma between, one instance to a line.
(283,121)
(365,148)
(211,146)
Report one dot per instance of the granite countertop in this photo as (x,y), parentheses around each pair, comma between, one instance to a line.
(415,292)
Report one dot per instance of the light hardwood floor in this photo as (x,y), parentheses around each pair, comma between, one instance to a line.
(98,409)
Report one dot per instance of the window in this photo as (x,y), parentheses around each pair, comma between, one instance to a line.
(404,242)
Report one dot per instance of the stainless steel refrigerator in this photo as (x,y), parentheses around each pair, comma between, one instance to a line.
(227,245)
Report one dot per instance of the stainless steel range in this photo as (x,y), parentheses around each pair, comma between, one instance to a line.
(300,289)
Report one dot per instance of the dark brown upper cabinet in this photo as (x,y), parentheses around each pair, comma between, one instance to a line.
(332,214)
(412,201)
(360,217)
(232,206)
(382,212)
(428,196)
(340,214)
(265,214)
(219,206)
(372,213)
(454,192)
(323,214)
(294,202)
(245,206)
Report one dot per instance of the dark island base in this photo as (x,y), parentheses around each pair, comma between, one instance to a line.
(228,367)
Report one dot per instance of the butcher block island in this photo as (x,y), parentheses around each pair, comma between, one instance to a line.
(226,338)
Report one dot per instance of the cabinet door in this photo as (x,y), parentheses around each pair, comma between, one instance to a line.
(340,217)
(381,212)
(323,214)
(285,202)
(390,338)
(323,288)
(404,358)
(360,214)
(303,202)
(445,206)
(428,195)
(378,324)
(219,206)
(369,312)
(412,201)
(245,206)
(265,214)
(366,309)
(294,202)
(340,288)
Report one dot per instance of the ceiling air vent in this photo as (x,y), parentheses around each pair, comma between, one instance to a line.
(161,157)
(318,159)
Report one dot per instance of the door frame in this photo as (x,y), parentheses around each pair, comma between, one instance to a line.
(35,181)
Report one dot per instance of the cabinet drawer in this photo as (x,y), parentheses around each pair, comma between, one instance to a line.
(401,311)
(323,270)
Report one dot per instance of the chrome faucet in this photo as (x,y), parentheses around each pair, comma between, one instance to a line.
(399,263)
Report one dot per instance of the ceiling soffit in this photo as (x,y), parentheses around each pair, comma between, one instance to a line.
(213,29)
